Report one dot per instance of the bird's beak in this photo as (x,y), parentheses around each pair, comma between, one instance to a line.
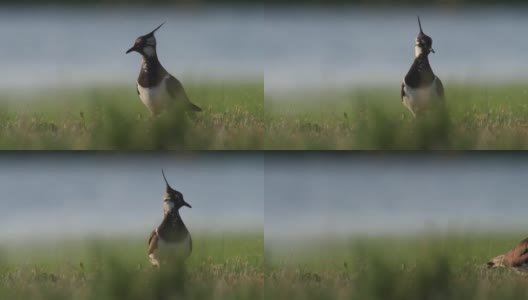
(131,49)
(187,204)
(432,50)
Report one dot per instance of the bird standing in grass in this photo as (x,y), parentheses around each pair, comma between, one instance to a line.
(171,240)
(421,89)
(516,258)
(156,88)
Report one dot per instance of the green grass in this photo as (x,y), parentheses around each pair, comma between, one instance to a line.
(235,266)
(479,117)
(430,266)
(235,117)
(220,267)
(114,118)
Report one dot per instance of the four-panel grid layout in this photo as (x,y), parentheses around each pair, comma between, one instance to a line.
(145,96)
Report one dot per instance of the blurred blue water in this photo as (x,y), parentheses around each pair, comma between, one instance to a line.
(340,194)
(294,48)
(291,195)
(59,46)
(351,47)
(58,195)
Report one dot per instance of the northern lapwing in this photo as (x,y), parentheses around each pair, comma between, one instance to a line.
(171,240)
(516,258)
(421,89)
(156,88)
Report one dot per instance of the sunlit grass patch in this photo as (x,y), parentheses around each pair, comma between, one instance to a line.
(432,266)
(479,117)
(115,118)
(220,267)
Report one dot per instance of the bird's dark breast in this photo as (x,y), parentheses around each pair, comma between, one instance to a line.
(151,75)
(420,74)
(173,234)
(416,79)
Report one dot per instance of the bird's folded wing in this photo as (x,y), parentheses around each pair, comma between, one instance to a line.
(402,90)
(153,242)
(175,89)
(440,88)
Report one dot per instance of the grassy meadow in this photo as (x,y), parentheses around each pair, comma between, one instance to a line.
(220,267)
(235,117)
(108,118)
(432,266)
(236,266)
(479,117)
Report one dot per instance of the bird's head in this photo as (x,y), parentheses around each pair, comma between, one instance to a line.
(145,44)
(172,199)
(424,43)
(496,262)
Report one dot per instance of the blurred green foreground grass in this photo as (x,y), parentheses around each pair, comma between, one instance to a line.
(479,117)
(114,118)
(220,267)
(236,266)
(430,266)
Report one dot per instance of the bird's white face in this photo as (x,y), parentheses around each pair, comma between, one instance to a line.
(423,45)
(417,49)
(149,51)
(145,45)
(149,48)
(168,205)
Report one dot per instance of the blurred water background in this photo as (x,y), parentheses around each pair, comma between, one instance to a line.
(292,47)
(343,194)
(57,196)
(348,47)
(83,46)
